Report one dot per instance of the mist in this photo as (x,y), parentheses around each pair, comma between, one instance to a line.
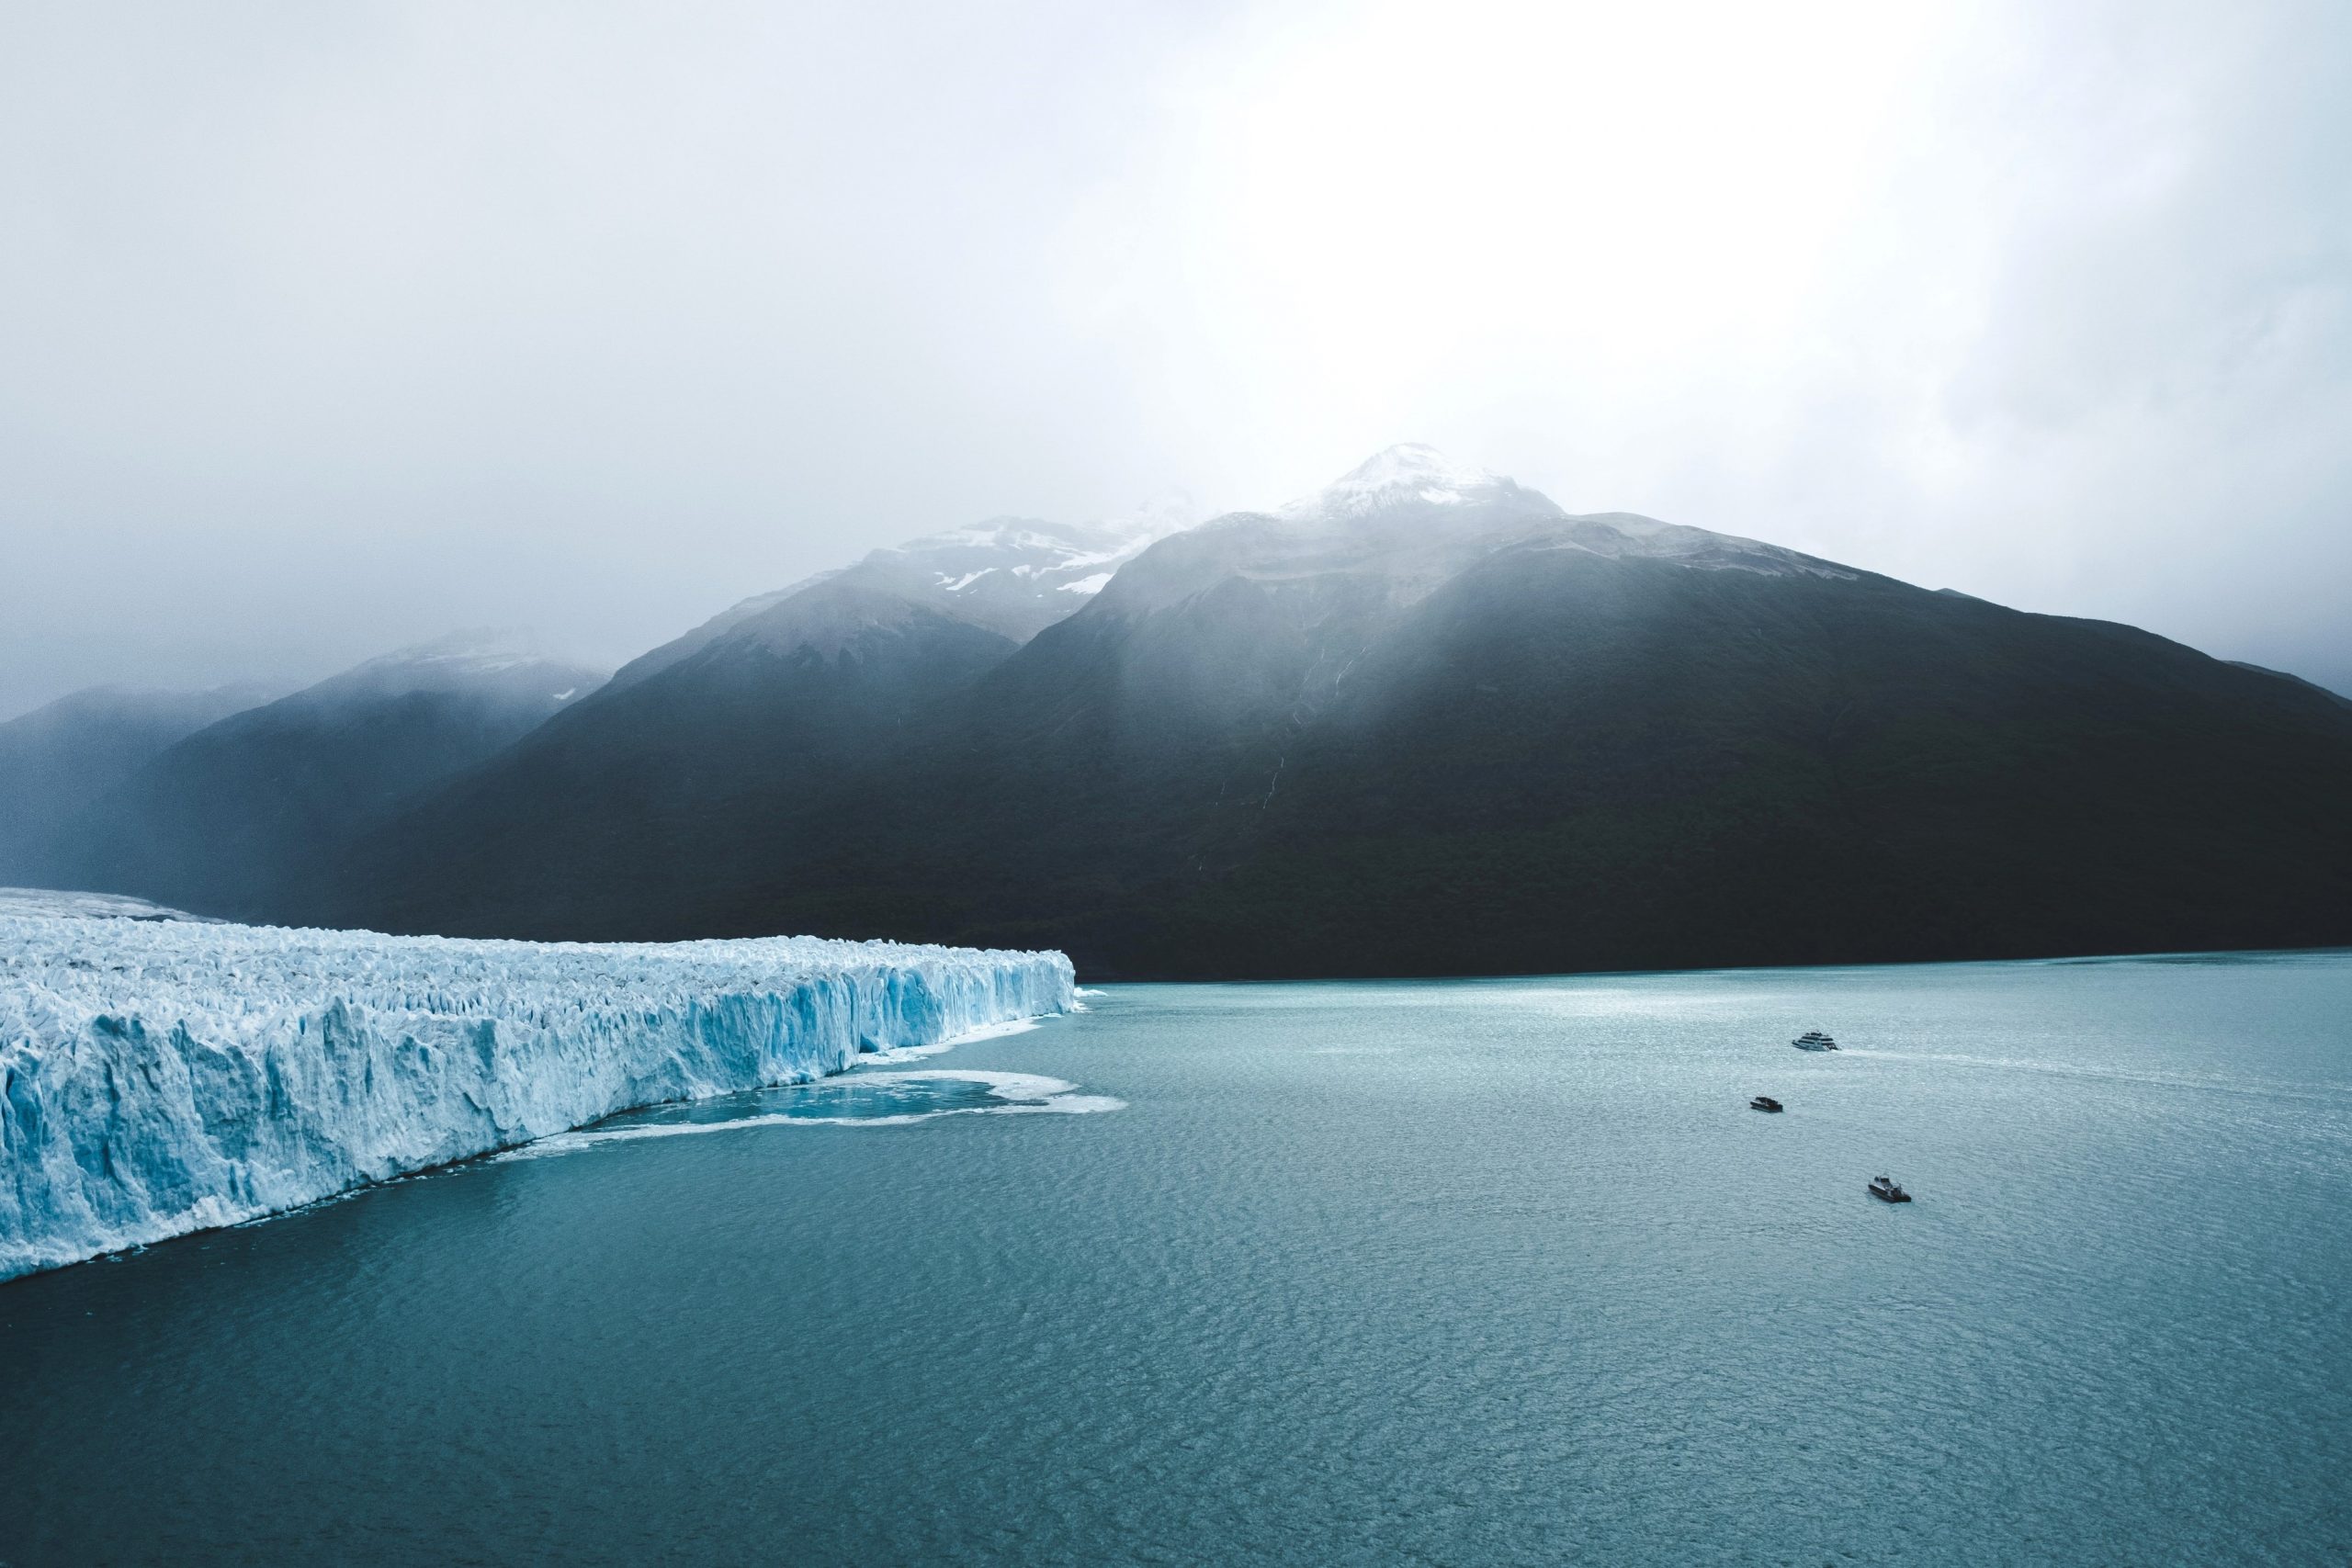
(323,331)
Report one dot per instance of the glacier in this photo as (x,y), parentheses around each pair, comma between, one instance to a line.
(161,1075)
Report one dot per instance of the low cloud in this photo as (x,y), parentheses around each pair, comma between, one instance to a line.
(323,331)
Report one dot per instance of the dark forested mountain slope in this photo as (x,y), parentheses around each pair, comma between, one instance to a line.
(54,759)
(706,752)
(614,819)
(1426,722)
(242,818)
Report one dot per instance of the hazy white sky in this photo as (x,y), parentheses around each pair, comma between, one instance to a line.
(325,328)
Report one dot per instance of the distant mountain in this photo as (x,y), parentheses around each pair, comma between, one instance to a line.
(1423,721)
(239,818)
(696,750)
(54,759)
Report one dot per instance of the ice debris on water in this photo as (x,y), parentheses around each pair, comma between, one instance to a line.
(159,1076)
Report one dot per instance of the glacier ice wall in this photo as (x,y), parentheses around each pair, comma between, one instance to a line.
(158,1077)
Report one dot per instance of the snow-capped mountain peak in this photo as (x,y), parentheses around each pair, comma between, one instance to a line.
(1033,550)
(475,650)
(1018,575)
(1413,464)
(471,659)
(1407,475)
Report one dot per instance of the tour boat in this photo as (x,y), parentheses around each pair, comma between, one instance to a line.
(1813,1040)
(1764,1102)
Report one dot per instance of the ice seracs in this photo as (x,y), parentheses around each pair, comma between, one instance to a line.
(160,1076)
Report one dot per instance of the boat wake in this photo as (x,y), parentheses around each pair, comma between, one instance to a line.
(2267,1089)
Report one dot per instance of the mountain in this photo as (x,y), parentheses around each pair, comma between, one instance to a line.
(611,816)
(1427,721)
(53,759)
(1014,576)
(240,817)
(2328,692)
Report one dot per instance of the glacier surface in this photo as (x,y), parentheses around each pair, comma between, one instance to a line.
(159,1076)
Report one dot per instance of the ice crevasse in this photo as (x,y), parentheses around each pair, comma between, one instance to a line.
(162,1076)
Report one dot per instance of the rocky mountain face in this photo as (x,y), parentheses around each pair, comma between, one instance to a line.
(1423,721)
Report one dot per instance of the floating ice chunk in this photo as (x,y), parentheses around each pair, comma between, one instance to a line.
(1008,1094)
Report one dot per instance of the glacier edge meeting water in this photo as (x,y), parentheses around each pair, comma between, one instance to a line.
(162,1076)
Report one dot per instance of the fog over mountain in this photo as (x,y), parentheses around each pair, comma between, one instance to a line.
(1422,720)
(325,329)
(54,760)
(1014,576)
(252,815)
(1245,781)
(239,812)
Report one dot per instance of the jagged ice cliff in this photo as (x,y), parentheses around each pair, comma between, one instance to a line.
(159,1076)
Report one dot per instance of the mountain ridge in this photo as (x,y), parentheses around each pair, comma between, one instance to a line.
(54,759)
(233,817)
(1455,729)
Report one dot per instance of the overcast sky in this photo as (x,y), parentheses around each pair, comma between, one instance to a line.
(325,329)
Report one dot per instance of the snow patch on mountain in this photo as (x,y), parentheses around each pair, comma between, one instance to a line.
(478,651)
(158,1078)
(1008,575)
(1040,557)
(511,659)
(1411,476)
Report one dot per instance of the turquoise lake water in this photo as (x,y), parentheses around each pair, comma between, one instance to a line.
(1455,1272)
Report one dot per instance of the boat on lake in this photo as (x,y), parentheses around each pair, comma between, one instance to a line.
(1887,1189)
(1813,1040)
(1764,1102)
